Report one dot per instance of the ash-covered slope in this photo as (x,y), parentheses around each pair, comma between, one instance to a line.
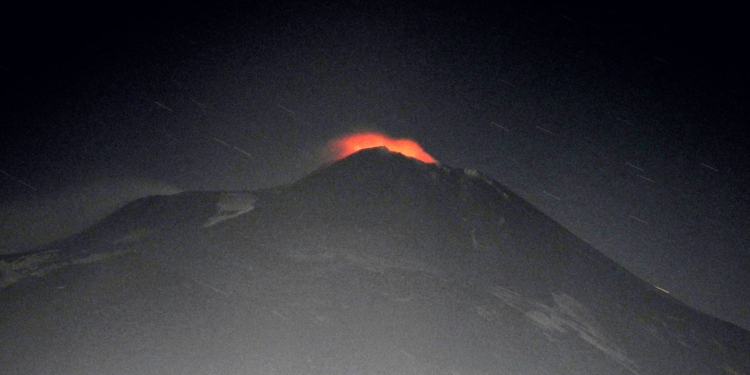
(376,264)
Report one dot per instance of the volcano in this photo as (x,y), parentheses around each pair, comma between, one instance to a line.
(375,264)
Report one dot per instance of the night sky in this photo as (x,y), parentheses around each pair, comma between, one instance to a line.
(627,125)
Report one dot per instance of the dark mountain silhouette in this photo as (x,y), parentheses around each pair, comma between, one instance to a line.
(375,264)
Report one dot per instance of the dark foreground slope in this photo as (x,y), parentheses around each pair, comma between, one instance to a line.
(376,264)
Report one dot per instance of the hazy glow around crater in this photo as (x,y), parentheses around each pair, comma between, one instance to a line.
(349,144)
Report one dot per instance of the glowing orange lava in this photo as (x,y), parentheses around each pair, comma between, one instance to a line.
(347,145)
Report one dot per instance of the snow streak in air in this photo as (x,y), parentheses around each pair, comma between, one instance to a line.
(349,144)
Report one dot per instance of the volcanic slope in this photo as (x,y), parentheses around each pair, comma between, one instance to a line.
(374,264)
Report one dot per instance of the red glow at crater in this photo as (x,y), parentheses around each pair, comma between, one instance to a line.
(349,144)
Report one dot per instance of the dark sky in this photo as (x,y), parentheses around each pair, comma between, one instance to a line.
(625,124)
